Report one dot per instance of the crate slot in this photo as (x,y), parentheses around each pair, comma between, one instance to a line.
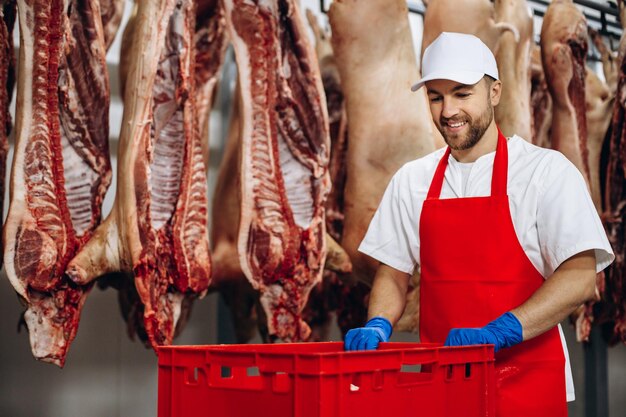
(252,371)
(411,374)
(193,376)
(226,372)
(411,368)
(449,372)
(468,370)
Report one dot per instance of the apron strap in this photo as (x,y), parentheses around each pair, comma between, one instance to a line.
(500,167)
(435,186)
(499,176)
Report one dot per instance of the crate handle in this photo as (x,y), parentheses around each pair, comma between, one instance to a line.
(415,374)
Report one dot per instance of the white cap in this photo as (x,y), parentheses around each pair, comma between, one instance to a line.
(458,57)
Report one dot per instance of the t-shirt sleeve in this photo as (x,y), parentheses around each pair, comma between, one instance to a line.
(567,220)
(392,234)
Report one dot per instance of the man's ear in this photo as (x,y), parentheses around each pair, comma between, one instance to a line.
(495,92)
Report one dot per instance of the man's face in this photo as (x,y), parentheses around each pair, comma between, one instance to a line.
(462,113)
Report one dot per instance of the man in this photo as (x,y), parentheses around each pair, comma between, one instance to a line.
(505,234)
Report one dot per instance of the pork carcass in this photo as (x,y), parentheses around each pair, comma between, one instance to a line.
(157,228)
(284,162)
(228,278)
(476,17)
(563,53)
(61,168)
(7,82)
(388,125)
(540,100)
(615,204)
(513,114)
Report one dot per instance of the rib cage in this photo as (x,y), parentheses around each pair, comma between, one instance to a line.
(61,158)
(284,168)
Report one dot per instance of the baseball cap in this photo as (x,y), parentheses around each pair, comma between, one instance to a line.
(458,57)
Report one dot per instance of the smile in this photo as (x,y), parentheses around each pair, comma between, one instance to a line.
(455,125)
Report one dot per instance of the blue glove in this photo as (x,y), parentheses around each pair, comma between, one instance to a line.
(503,332)
(376,330)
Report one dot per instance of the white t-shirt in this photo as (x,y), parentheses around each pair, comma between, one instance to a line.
(553,215)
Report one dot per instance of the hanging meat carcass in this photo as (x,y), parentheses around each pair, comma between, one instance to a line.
(7,82)
(228,278)
(158,225)
(61,168)
(563,53)
(615,203)
(513,113)
(388,125)
(468,16)
(284,162)
(210,44)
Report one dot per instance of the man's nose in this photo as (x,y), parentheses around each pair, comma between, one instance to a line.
(449,108)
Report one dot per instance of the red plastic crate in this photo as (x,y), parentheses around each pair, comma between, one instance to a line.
(320,379)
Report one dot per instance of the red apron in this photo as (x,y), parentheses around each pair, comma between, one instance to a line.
(473,269)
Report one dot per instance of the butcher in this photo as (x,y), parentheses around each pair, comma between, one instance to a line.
(504,233)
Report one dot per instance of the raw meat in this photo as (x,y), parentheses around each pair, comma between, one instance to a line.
(563,52)
(61,167)
(388,125)
(158,226)
(284,163)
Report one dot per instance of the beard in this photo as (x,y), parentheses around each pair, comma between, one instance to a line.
(476,130)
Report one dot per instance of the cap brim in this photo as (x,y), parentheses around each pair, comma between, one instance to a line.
(465,77)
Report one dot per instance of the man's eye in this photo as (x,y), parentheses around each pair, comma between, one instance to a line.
(435,99)
(463,95)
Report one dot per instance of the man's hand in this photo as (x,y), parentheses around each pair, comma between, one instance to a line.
(376,330)
(505,331)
